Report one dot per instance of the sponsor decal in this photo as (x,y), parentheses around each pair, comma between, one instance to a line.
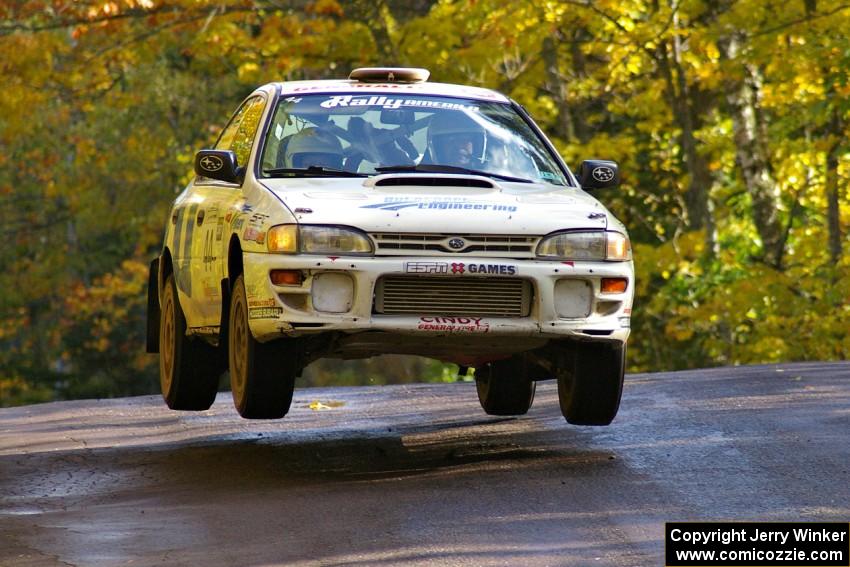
(262,302)
(257,219)
(460,268)
(246,208)
(252,233)
(396,204)
(454,324)
(426,267)
(393,103)
(204,330)
(209,252)
(265,312)
(356,86)
(490,269)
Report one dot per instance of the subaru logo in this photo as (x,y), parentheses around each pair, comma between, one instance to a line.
(603,174)
(457,243)
(211,163)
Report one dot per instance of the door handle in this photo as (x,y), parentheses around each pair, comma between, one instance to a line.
(200,219)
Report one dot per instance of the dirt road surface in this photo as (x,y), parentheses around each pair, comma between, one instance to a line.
(418,475)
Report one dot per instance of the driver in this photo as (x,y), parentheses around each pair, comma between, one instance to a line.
(457,140)
(312,146)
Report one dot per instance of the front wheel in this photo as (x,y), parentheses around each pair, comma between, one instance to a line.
(589,389)
(504,387)
(262,375)
(188,367)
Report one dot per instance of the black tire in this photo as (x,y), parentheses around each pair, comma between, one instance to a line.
(504,387)
(589,390)
(262,376)
(189,368)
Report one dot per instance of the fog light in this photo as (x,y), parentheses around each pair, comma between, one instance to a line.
(333,292)
(614,285)
(286,277)
(572,298)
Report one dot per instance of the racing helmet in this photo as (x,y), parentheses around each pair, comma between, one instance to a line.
(456,139)
(312,146)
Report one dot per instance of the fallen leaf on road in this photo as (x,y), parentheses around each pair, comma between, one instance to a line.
(316,405)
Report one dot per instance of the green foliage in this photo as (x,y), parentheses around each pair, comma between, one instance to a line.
(104,104)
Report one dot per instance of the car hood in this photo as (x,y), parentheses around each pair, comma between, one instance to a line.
(439,203)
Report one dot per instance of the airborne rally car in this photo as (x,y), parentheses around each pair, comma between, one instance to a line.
(387,214)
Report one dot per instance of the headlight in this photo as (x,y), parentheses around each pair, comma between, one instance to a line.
(596,245)
(312,239)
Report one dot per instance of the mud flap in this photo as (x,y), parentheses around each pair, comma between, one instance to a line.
(153,316)
(224,324)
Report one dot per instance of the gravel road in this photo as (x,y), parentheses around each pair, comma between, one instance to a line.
(419,475)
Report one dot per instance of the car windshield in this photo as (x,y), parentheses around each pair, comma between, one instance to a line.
(370,134)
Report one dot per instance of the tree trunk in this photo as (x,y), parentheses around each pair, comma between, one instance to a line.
(559,90)
(832,182)
(680,98)
(752,155)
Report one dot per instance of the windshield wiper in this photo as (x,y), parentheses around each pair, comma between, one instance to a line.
(313,170)
(437,168)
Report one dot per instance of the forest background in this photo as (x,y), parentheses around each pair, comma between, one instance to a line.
(728,118)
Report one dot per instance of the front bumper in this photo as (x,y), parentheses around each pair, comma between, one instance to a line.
(292,310)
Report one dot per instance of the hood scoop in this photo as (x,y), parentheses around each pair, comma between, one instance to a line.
(431,181)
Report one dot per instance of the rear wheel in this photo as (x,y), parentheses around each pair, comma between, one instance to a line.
(262,375)
(188,367)
(504,387)
(589,389)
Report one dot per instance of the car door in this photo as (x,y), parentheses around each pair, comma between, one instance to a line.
(213,201)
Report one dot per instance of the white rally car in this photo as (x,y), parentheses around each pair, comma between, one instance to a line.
(387,214)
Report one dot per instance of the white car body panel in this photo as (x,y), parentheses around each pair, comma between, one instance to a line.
(516,208)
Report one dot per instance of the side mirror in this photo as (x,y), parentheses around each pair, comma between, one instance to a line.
(599,174)
(218,164)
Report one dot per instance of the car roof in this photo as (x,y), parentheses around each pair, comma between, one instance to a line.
(357,87)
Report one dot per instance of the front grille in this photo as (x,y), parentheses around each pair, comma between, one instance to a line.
(430,295)
(400,243)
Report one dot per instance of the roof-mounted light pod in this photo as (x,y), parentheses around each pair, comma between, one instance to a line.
(389,75)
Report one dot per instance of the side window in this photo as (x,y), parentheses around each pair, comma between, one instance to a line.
(239,134)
